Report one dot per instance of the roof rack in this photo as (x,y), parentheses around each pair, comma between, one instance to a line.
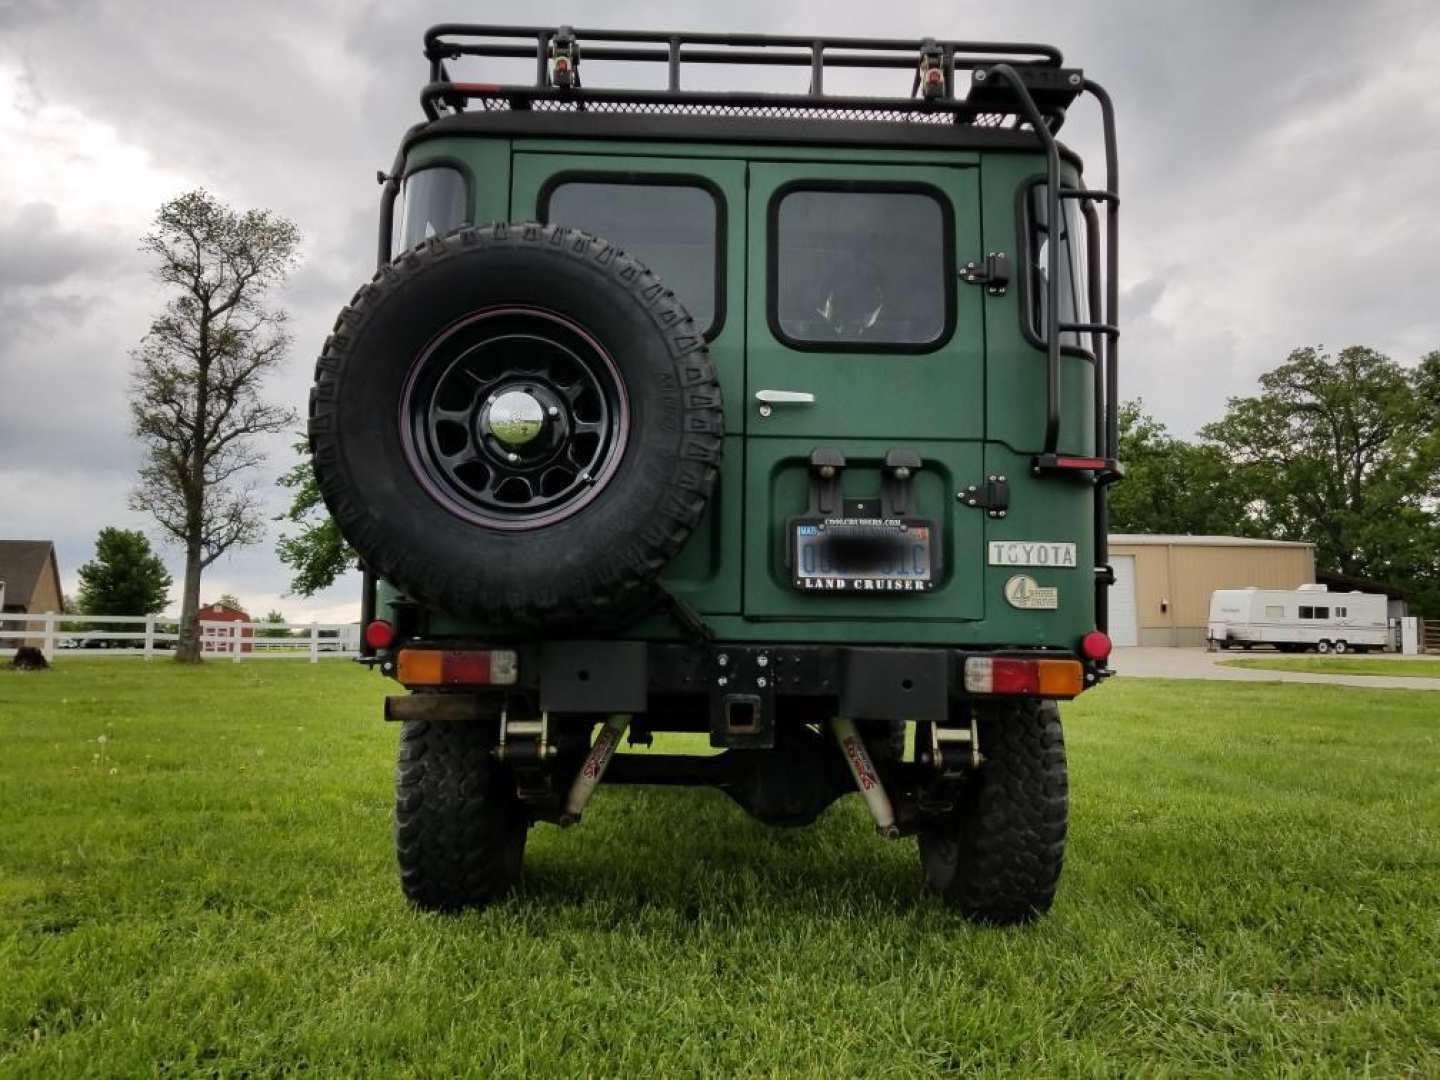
(934,97)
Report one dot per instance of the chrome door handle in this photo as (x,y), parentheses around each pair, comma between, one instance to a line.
(785,397)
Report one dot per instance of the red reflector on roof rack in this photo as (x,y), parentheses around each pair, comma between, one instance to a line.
(1079,463)
(476,87)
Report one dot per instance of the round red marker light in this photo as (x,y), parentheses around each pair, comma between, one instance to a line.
(1095,645)
(379,634)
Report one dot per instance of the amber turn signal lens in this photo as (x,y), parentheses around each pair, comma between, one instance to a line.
(420,667)
(1060,678)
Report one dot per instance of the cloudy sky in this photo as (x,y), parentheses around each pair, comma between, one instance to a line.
(1279,163)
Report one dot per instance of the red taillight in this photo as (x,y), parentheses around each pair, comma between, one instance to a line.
(379,634)
(1095,645)
(1014,677)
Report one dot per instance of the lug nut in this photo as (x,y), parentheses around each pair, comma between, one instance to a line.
(554,410)
(512,456)
(762,661)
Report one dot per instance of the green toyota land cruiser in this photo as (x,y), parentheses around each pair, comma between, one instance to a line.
(786,418)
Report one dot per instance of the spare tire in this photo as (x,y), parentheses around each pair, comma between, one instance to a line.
(517,423)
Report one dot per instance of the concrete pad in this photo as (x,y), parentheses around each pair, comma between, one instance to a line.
(1148,662)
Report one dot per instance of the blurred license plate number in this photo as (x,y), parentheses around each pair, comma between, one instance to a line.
(862,556)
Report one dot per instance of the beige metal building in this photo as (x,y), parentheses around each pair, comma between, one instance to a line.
(1163,584)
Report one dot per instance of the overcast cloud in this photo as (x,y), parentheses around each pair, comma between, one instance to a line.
(1277,166)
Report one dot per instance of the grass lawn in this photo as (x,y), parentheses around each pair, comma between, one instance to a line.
(1343,665)
(1252,887)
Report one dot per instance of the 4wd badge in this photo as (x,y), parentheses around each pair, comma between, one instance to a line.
(1022,591)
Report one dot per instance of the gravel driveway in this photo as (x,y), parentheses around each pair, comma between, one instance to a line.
(1157,663)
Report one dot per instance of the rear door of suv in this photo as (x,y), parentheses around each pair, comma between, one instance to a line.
(861,339)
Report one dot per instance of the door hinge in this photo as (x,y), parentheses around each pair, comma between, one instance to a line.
(993,496)
(993,272)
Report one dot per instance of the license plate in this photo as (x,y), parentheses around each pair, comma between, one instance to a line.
(863,555)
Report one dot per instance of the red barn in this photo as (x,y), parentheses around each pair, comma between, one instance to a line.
(216,639)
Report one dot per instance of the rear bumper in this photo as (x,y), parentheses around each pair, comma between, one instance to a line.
(709,680)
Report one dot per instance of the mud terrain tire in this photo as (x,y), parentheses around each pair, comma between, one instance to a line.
(459,827)
(997,857)
(403,504)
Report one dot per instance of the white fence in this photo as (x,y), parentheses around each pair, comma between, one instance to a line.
(149,635)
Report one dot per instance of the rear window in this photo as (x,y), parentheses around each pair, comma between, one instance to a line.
(436,200)
(671,224)
(861,268)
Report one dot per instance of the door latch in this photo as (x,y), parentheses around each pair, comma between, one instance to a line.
(993,272)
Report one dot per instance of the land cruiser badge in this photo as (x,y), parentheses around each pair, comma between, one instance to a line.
(1022,591)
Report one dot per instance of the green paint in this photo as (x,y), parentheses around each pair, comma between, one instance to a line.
(972,407)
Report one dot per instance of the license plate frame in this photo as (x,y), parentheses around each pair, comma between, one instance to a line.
(863,556)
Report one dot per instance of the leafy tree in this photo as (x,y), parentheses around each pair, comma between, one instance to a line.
(274,631)
(125,577)
(198,374)
(1173,486)
(317,555)
(1341,450)
(230,600)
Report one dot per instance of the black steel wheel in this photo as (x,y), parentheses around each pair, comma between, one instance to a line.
(514,418)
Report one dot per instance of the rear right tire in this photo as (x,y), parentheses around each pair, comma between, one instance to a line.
(997,857)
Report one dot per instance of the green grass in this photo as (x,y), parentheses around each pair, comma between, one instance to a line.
(1251,887)
(1342,665)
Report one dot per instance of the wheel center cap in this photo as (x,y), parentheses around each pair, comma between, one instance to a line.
(515,418)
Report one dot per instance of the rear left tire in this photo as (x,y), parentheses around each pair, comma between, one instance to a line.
(460,828)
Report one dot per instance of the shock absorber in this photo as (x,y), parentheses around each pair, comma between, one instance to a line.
(596,762)
(862,768)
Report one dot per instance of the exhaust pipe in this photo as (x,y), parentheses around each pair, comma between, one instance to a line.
(596,762)
(866,778)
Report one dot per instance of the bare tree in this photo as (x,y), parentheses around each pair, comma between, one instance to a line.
(198,373)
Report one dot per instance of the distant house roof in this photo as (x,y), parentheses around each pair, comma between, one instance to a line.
(230,609)
(1180,539)
(21,564)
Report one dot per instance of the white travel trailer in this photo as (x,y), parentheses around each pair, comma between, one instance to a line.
(1295,620)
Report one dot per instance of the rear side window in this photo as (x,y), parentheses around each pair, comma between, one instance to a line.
(1274,611)
(1074,284)
(436,201)
(674,225)
(861,268)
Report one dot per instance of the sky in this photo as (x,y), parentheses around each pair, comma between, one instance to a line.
(1278,164)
